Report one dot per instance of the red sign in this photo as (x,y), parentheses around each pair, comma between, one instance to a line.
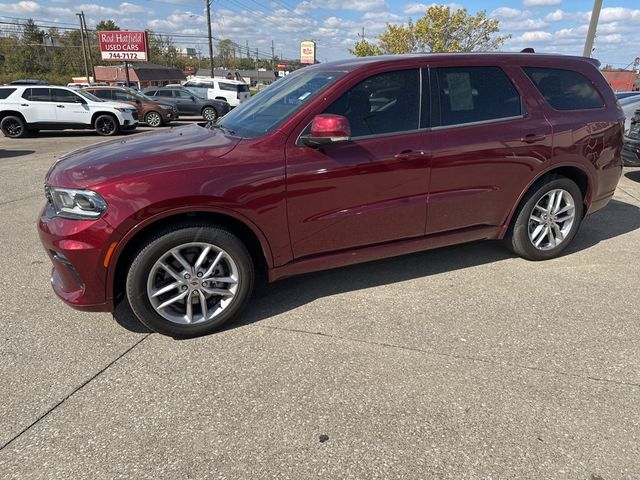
(119,46)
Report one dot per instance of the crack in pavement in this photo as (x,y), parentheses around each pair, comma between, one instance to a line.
(456,356)
(76,390)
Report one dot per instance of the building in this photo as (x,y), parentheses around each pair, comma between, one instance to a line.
(142,74)
(622,80)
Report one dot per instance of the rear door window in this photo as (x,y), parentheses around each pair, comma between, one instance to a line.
(5,92)
(103,94)
(474,94)
(230,87)
(565,89)
(37,94)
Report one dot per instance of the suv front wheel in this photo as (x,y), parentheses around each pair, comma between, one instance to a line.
(209,114)
(190,280)
(13,127)
(547,220)
(106,125)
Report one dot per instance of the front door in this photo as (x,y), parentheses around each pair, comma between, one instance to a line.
(371,189)
(70,108)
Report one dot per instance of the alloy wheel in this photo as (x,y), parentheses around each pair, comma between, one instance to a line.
(153,119)
(192,283)
(551,219)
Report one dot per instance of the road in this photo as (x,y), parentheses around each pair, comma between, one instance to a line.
(458,363)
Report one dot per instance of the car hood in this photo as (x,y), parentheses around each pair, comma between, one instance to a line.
(140,154)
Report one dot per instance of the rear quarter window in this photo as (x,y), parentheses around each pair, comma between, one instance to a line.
(565,89)
(5,92)
(230,87)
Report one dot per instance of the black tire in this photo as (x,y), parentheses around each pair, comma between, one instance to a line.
(153,119)
(525,230)
(145,275)
(210,114)
(106,125)
(13,126)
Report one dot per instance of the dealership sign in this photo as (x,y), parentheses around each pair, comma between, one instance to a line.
(124,46)
(308,52)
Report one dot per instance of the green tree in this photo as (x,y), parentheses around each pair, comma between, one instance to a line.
(440,29)
(107,26)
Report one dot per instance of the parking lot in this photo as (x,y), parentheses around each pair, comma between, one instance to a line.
(459,363)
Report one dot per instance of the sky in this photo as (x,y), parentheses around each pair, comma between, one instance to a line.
(557,26)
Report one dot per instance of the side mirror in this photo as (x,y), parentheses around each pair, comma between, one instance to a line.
(193,99)
(328,129)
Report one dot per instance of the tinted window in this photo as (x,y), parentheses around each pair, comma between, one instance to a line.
(183,94)
(230,87)
(104,94)
(5,92)
(124,96)
(64,96)
(164,93)
(151,93)
(565,89)
(475,94)
(199,83)
(385,103)
(37,94)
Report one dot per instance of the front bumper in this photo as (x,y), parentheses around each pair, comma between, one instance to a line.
(631,152)
(77,249)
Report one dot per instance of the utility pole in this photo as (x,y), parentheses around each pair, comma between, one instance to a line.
(257,70)
(248,54)
(273,57)
(84,52)
(593,25)
(208,4)
(83,21)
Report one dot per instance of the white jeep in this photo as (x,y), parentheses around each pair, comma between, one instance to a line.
(28,109)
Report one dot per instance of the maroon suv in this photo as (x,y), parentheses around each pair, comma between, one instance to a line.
(335,164)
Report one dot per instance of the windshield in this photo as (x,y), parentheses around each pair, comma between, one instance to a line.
(264,112)
(87,95)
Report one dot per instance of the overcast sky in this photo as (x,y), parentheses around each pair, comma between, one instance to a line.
(546,25)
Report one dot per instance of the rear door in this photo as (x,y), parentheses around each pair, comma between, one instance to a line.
(490,133)
(37,105)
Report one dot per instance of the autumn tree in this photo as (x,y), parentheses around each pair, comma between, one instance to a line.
(441,29)
(107,26)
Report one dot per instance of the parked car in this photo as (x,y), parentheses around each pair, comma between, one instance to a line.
(188,103)
(629,106)
(631,150)
(154,114)
(622,95)
(233,92)
(335,164)
(25,110)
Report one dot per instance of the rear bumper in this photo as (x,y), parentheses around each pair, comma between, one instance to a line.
(631,152)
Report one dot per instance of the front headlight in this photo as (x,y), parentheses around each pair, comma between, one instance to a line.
(75,204)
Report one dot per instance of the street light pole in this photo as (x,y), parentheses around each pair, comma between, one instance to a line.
(593,25)
(208,4)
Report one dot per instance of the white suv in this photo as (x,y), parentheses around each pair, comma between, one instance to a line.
(233,92)
(28,109)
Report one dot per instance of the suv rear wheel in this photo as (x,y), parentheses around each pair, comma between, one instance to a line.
(209,114)
(13,126)
(106,125)
(190,280)
(547,220)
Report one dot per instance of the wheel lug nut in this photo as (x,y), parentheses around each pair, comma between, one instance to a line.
(199,274)
(195,292)
(184,287)
(187,276)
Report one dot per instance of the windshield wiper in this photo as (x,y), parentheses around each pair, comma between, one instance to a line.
(226,130)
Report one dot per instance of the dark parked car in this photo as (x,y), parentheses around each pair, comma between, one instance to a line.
(335,164)
(154,114)
(188,103)
(631,150)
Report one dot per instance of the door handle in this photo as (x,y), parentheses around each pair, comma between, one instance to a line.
(408,154)
(532,138)
(60,106)
(24,104)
